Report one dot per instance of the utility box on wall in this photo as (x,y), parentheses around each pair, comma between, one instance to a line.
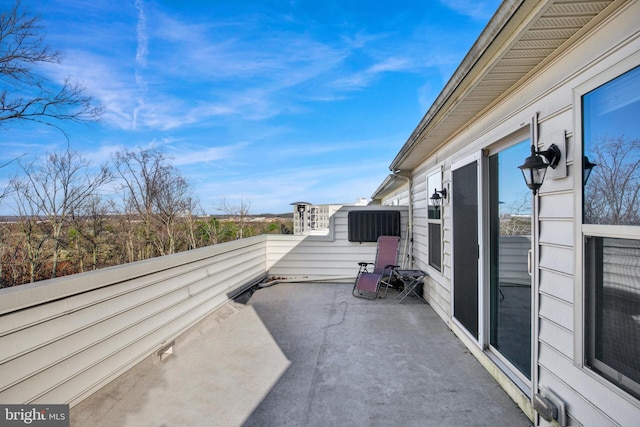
(367,225)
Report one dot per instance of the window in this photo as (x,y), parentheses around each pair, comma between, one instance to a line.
(611,216)
(434,222)
(613,310)
(611,133)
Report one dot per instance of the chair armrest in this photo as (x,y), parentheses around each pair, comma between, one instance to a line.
(391,268)
(363,267)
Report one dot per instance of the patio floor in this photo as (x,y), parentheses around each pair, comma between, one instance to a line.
(309,354)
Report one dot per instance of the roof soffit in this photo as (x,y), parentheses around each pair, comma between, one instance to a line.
(531,34)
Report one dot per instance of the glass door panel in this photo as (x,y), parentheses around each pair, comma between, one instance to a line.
(510,242)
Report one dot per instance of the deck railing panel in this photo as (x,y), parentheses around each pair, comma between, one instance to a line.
(63,339)
(67,337)
(324,257)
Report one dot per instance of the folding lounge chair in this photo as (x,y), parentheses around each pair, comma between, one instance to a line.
(368,282)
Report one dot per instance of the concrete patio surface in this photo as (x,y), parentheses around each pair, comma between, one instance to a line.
(309,354)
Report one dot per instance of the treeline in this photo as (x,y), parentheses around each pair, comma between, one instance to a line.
(72,216)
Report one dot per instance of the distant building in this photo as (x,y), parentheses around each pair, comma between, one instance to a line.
(314,219)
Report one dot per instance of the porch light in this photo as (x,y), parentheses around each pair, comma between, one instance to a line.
(438,197)
(587,167)
(534,167)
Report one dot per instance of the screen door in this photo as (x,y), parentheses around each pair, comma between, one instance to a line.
(465,246)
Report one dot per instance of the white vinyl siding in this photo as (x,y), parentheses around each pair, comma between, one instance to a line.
(62,339)
(320,257)
(549,93)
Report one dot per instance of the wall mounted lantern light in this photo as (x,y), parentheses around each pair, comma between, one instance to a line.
(535,166)
(587,167)
(438,197)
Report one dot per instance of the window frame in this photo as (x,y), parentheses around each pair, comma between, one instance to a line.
(583,231)
(608,372)
(435,221)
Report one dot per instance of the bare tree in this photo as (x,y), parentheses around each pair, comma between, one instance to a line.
(157,194)
(58,188)
(34,236)
(612,194)
(15,265)
(91,224)
(126,240)
(172,203)
(209,231)
(25,95)
(191,222)
(517,222)
(238,213)
(140,172)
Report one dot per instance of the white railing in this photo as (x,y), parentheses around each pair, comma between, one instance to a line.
(65,338)
(62,339)
(327,256)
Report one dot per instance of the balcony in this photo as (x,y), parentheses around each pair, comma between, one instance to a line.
(162,342)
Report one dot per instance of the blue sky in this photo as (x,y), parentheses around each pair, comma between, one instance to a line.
(269,102)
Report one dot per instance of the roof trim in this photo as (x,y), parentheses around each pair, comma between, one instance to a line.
(391,183)
(500,19)
(520,40)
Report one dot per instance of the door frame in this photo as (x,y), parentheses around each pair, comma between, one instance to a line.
(482,296)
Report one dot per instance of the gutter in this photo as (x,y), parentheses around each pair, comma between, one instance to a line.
(408,242)
(389,184)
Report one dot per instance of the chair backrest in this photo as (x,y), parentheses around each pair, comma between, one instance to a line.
(387,253)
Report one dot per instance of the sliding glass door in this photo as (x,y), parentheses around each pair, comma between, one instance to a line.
(510,242)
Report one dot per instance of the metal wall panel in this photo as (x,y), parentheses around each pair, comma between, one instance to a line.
(367,226)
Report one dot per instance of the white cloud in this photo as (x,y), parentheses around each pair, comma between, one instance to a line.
(141,31)
(426,96)
(196,155)
(114,89)
(268,191)
(142,52)
(475,9)
(391,64)
(241,50)
(367,77)
(361,39)
(247,72)
(102,154)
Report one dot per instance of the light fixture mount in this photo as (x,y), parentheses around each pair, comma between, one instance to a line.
(438,197)
(535,166)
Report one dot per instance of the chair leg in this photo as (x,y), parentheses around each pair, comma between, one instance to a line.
(386,288)
(386,280)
